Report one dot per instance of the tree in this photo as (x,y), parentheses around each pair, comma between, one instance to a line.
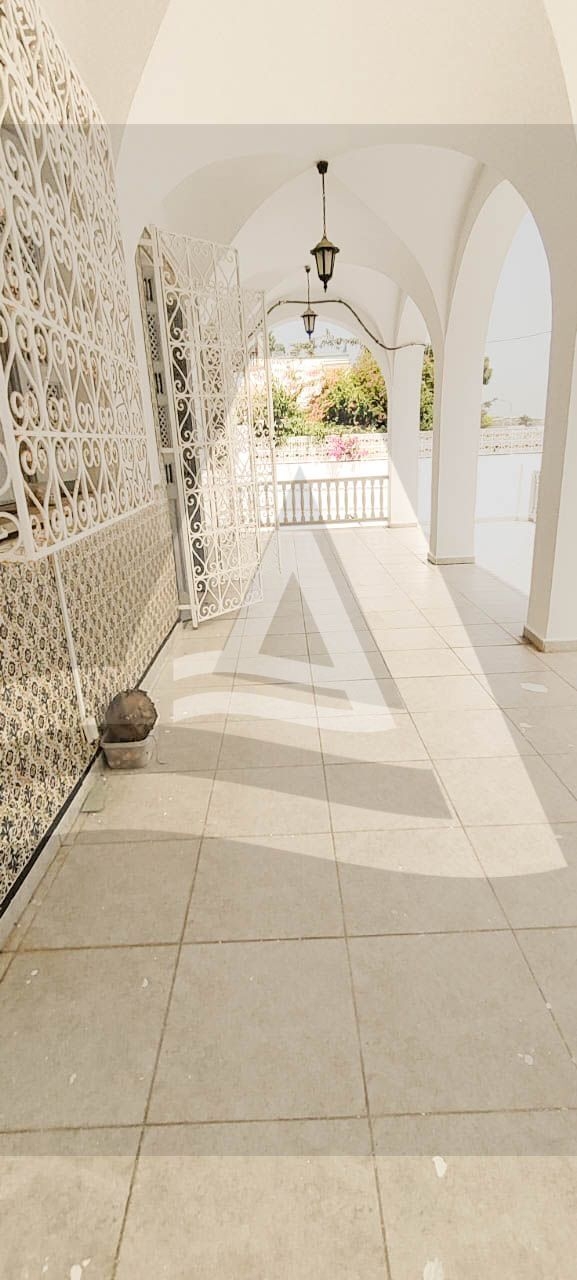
(289,418)
(275,347)
(428,391)
(354,397)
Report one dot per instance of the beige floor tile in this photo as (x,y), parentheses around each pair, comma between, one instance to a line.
(413,882)
(273,646)
(202,704)
(408,638)
(323,622)
(552,955)
(237,1202)
(506,791)
(377,607)
(268,609)
(473,1034)
(473,634)
(80,1035)
(470,733)
(444,693)
(260,1030)
(198,642)
(458,613)
(423,662)
(564,664)
(169,693)
(370,737)
(533,871)
(5,958)
(479,1196)
(63,1200)
(196,667)
(565,766)
(283,624)
(276,887)
(118,894)
(551,730)
(537,688)
(254,744)
(514,627)
(282,800)
(213,627)
(345,667)
(495,659)
(186,747)
(393,619)
(358,698)
(272,701)
(264,666)
(141,807)
(13,940)
(380,796)
(346,640)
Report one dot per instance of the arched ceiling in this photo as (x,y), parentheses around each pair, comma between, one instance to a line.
(167,61)
(486,76)
(445,62)
(110,43)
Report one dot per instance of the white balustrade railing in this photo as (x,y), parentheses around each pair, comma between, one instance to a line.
(326,500)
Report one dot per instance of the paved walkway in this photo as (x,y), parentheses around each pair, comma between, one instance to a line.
(298,1003)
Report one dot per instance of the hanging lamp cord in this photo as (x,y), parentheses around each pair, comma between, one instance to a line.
(294,302)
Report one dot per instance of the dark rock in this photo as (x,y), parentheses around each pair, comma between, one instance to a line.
(130,716)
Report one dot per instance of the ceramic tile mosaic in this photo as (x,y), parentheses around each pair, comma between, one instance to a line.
(121,593)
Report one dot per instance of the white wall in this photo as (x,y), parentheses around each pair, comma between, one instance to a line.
(503,481)
(503,486)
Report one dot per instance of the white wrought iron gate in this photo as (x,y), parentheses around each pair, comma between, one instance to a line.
(262,406)
(199,368)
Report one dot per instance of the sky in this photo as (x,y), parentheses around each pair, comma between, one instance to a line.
(522,306)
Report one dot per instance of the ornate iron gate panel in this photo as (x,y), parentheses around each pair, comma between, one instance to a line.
(73,450)
(262,406)
(201,387)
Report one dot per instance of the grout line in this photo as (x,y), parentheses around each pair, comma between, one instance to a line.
(154,1071)
(298,1119)
(297,937)
(490,883)
(388,1270)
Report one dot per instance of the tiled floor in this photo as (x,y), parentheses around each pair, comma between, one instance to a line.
(298,1002)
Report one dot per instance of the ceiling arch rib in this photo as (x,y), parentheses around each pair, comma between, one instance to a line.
(278,235)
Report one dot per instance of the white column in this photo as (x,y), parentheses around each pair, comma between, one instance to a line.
(552,613)
(459,378)
(456,430)
(403,436)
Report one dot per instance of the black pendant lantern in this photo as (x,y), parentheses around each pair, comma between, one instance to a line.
(309,316)
(325,251)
